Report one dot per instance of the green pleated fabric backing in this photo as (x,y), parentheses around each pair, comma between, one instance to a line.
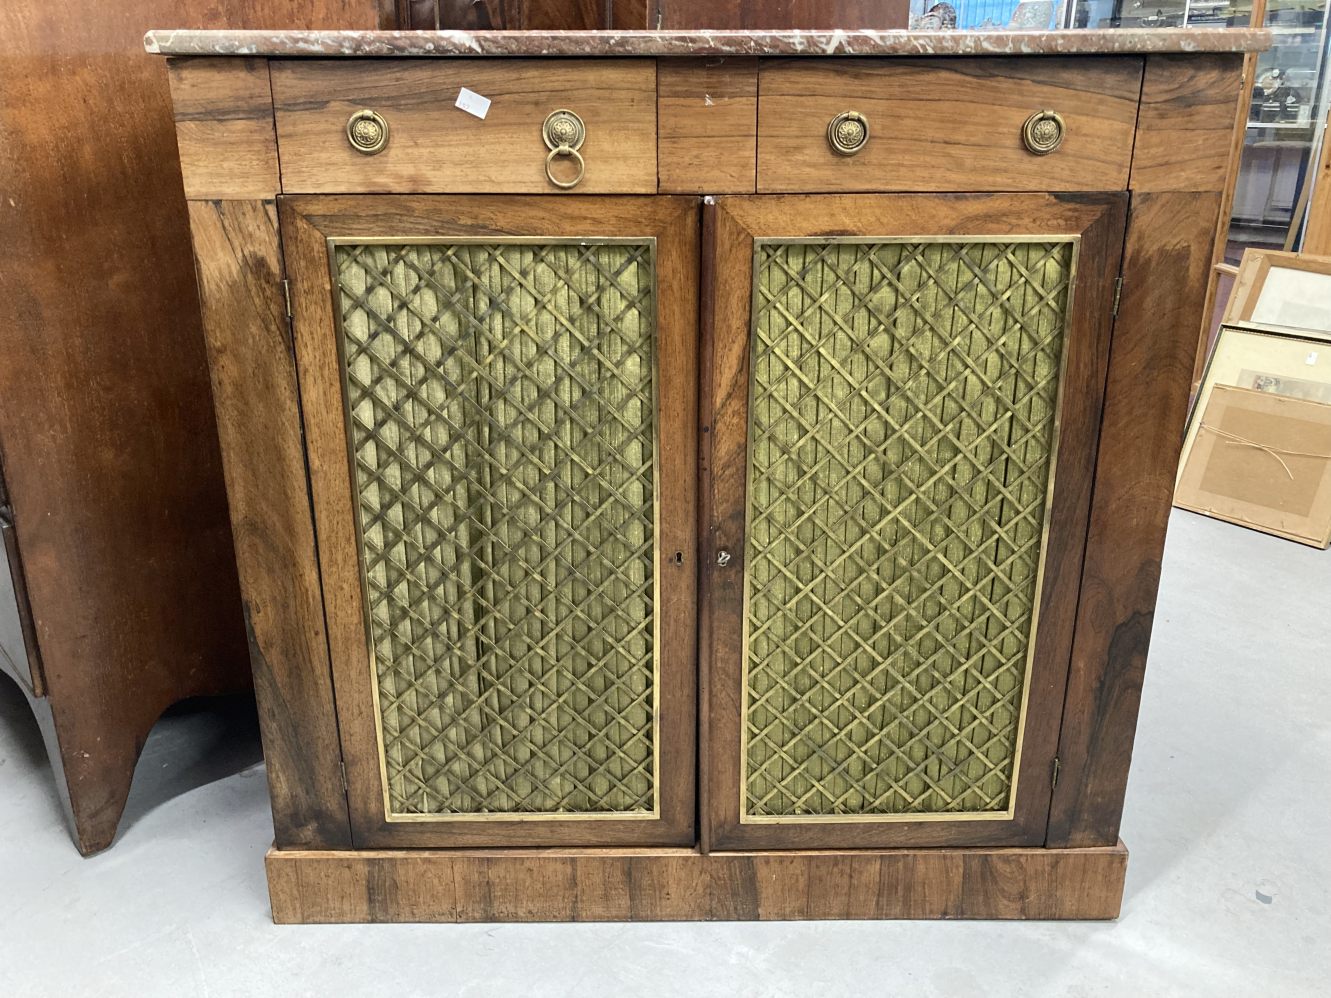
(501,413)
(902,428)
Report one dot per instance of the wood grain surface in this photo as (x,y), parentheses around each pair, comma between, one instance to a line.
(258,421)
(519,15)
(574,15)
(1186,126)
(678,885)
(1097,219)
(224,127)
(1165,269)
(105,422)
(946,124)
(434,146)
(307,223)
(707,121)
(20,655)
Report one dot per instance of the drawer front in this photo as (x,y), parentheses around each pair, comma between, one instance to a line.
(947,124)
(435,146)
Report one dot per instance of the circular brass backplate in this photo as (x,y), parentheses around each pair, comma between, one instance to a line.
(563,129)
(848,133)
(367,131)
(1043,132)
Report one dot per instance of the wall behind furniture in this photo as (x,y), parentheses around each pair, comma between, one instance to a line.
(626,15)
(106,426)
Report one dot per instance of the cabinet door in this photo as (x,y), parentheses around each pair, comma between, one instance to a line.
(499,401)
(901,404)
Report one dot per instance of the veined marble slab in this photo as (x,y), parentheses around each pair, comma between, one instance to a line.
(704,43)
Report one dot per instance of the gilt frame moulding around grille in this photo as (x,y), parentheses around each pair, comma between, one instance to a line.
(332,244)
(759,242)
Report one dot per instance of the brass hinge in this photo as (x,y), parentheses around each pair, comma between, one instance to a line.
(1054,780)
(286,295)
(1118,294)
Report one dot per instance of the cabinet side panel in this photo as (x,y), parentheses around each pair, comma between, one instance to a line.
(1150,365)
(258,419)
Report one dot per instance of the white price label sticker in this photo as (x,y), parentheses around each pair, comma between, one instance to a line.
(473,103)
(1311,359)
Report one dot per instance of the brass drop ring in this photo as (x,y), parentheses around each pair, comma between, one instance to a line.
(367,131)
(555,153)
(1043,132)
(848,133)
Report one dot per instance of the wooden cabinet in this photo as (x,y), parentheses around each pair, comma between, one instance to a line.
(747,555)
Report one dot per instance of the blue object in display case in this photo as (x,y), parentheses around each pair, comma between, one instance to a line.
(1031,15)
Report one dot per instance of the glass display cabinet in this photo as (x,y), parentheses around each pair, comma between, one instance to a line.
(1285,129)
(1287,119)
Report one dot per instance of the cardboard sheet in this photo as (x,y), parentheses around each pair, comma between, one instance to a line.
(1262,461)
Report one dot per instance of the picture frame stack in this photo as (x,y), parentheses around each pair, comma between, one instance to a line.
(1258,446)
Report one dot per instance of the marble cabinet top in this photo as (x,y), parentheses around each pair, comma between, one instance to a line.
(703,43)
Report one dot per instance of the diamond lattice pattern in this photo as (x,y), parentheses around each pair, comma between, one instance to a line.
(902,429)
(502,427)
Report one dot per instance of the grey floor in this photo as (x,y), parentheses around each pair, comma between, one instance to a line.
(1228,823)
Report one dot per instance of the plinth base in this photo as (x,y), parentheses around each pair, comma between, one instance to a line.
(595,885)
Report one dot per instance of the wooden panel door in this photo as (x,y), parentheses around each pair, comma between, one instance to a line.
(901,403)
(499,401)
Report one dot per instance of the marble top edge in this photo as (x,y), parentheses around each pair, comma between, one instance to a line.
(704,43)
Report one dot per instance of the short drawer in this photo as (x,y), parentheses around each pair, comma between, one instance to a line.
(946,124)
(435,146)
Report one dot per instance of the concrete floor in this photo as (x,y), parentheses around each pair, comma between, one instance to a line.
(1228,822)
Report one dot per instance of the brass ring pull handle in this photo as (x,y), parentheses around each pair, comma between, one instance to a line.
(848,133)
(555,153)
(367,131)
(1043,132)
(564,133)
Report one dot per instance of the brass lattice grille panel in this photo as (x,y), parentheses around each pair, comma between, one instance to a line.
(502,427)
(902,431)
